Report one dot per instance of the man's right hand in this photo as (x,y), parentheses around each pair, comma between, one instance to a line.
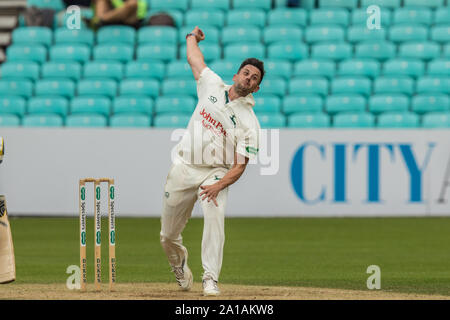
(199,35)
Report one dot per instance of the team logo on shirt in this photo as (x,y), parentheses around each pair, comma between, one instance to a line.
(233,117)
(252,150)
(212,99)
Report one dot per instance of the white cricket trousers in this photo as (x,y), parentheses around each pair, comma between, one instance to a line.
(181,191)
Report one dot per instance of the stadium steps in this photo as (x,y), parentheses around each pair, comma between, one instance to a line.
(12,7)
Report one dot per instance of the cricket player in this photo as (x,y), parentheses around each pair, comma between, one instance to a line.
(221,137)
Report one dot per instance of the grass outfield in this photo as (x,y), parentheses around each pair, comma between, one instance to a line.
(412,253)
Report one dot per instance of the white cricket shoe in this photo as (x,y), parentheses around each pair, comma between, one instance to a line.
(210,287)
(183,275)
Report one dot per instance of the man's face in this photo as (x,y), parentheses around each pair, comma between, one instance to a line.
(247,80)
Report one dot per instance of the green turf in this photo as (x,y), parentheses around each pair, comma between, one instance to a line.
(412,253)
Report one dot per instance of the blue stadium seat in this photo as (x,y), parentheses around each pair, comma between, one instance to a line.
(361,33)
(278,68)
(252,4)
(381,3)
(273,86)
(245,17)
(413,15)
(423,103)
(86,121)
(164,52)
(60,87)
(302,103)
(91,105)
(63,53)
(224,68)
(116,34)
(42,120)
(211,4)
(139,87)
(431,120)
(310,85)
(353,120)
(107,88)
(180,87)
(12,105)
(267,103)
(380,103)
(439,67)
(335,51)
(36,53)
(103,70)
(287,51)
(62,18)
(157,35)
(280,33)
(310,67)
(309,120)
(211,51)
(428,84)
(9,120)
(424,3)
(56,5)
(23,88)
(322,33)
(241,51)
(114,52)
(136,105)
(126,120)
(359,67)
(271,120)
(212,33)
(345,103)
(446,53)
(48,105)
(181,5)
(179,69)
(203,17)
(145,69)
(67,36)
(288,16)
(442,15)
(403,33)
(441,33)
(399,84)
(349,4)
(348,84)
(419,50)
(404,67)
(175,104)
(32,35)
(20,70)
(61,70)
(338,16)
(398,120)
(382,50)
(359,17)
(171,120)
(243,34)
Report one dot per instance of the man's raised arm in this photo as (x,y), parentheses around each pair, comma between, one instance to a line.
(194,55)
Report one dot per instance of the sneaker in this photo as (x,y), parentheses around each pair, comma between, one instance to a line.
(210,287)
(184,275)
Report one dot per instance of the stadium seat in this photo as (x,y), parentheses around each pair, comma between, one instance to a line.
(143,69)
(335,51)
(310,85)
(348,84)
(441,33)
(171,120)
(398,120)
(139,87)
(412,15)
(179,69)
(103,70)
(203,17)
(56,5)
(61,70)
(9,120)
(241,51)
(338,16)
(48,105)
(381,3)
(309,120)
(12,105)
(271,120)
(63,17)
(442,16)
(423,103)
(243,34)
(210,4)
(126,120)
(430,120)
(439,67)
(360,33)
(60,87)
(267,103)
(175,104)
(181,5)
(114,52)
(180,87)
(67,36)
(32,35)
(136,105)
(157,35)
(20,70)
(380,103)
(345,103)
(278,68)
(349,4)
(116,34)
(86,121)
(399,84)
(424,3)
(287,51)
(287,16)
(252,4)
(354,120)
(324,33)
(359,67)
(212,33)
(359,17)
(302,103)
(63,53)
(273,86)
(211,51)
(91,105)
(382,50)
(307,68)
(419,50)
(164,52)
(282,33)
(224,68)
(36,53)
(243,17)
(107,88)
(446,53)
(428,84)
(404,67)
(23,88)
(42,120)
(403,33)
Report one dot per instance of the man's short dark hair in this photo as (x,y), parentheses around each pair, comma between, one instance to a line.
(256,63)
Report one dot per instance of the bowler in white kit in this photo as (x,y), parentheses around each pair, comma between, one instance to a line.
(221,137)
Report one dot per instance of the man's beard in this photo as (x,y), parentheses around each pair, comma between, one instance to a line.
(242,91)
